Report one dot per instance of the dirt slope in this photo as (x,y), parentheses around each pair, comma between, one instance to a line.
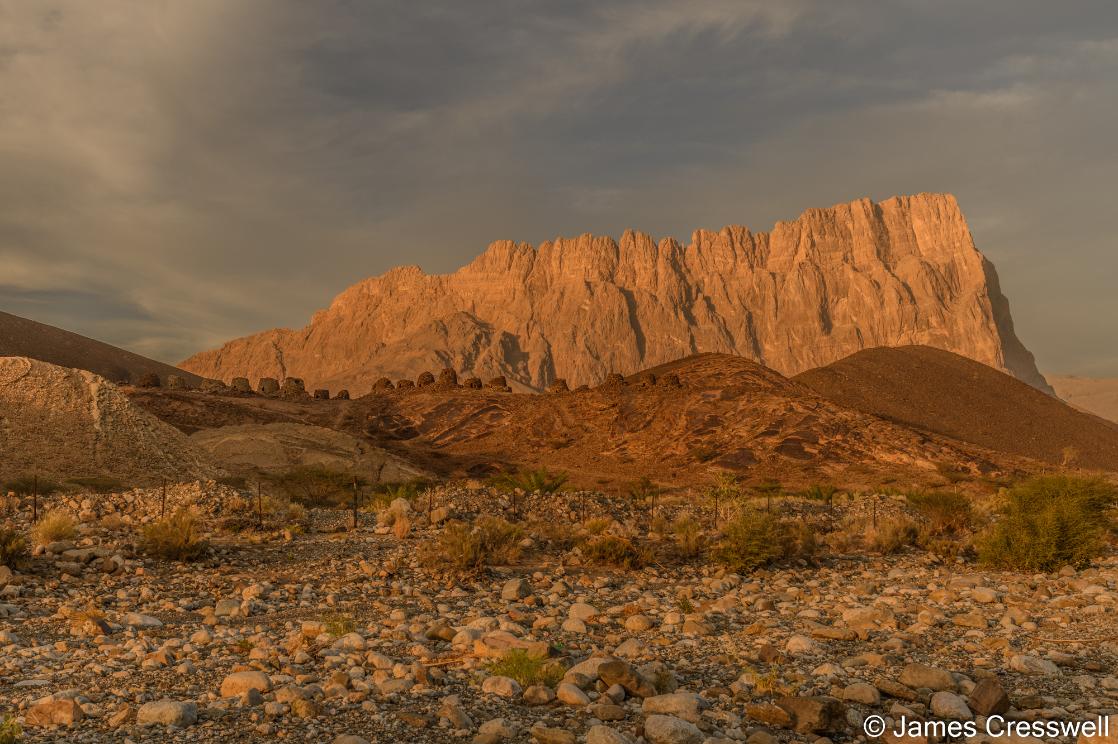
(65,423)
(27,338)
(945,393)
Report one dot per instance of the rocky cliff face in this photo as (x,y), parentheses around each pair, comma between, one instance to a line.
(814,290)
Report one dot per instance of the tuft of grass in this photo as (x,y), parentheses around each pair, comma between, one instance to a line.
(687,537)
(541,479)
(946,512)
(754,539)
(339,624)
(823,492)
(13,547)
(54,526)
(490,541)
(1049,522)
(177,538)
(10,731)
(610,550)
(526,669)
(596,526)
(892,535)
(401,526)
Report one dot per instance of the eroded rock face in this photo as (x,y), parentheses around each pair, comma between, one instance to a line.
(814,290)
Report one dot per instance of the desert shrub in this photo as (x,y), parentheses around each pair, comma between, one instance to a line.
(644,490)
(824,492)
(99,484)
(1049,522)
(177,538)
(891,535)
(25,485)
(401,526)
(541,479)
(10,731)
(282,510)
(490,541)
(317,486)
(687,537)
(339,624)
(54,526)
(610,550)
(526,669)
(13,547)
(596,526)
(752,540)
(945,512)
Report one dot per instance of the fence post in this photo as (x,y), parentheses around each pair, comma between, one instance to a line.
(355,503)
(875,511)
(35,498)
(259,506)
(163,500)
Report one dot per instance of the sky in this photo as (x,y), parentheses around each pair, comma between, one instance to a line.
(176,174)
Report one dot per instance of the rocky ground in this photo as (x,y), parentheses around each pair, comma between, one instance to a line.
(340,635)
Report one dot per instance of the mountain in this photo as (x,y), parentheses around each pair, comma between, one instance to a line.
(27,338)
(1092,394)
(69,423)
(834,281)
(937,391)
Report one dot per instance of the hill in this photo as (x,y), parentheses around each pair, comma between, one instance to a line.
(811,291)
(937,391)
(1092,394)
(28,338)
(66,423)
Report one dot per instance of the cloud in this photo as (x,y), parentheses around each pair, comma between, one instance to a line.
(187,172)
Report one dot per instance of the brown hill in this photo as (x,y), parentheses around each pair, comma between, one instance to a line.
(68,423)
(812,291)
(1097,395)
(704,414)
(937,391)
(28,338)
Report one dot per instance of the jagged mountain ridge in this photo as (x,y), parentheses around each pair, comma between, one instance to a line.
(813,290)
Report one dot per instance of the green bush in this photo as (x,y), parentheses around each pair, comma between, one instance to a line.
(177,538)
(13,547)
(10,731)
(526,669)
(1049,522)
(491,541)
(754,539)
(541,479)
(945,512)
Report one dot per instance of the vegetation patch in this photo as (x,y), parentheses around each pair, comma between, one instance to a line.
(54,526)
(526,669)
(754,539)
(610,550)
(541,479)
(490,541)
(13,547)
(177,538)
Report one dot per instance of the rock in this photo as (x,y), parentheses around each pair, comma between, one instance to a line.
(1032,665)
(506,687)
(905,245)
(861,692)
(498,729)
(238,683)
(143,622)
(950,706)
(1108,734)
(167,713)
(546,735)
(538,695)
(569,694)
(921,675)
(814,715)
(448,378)
(425,379)
(293,387)
(600,734)
(988,698)
(685,705)
(618,672)
(799,644)
(515,589)
(268,386)
(54,713)
(240,385)
(671,730)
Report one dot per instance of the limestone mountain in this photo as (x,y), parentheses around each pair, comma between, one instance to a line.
(811,291)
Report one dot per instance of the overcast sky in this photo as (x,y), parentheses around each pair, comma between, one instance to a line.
(174,174)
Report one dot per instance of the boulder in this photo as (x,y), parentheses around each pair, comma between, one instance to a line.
(167,713)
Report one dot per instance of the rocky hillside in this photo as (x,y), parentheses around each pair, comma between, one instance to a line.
(934,390)
(28,338)
(65,423)
(814,290)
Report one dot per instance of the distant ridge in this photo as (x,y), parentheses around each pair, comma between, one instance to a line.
(937,391)
(20,337)
(809,292)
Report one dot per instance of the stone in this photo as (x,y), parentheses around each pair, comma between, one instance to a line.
(1108,734)
(570,694)
(599,734)
(425,379)
(268,386)
(142,622)
(547,735)
(921,675)
(988,698)
(538,695)
(814,715)
(950,706)
(1026,664)
(515,589)
(65,712)
(167,713)
(660,729)
(293,387)
(618,672)
(861,692)
(506,687)
(685,705)
(238,683)
(240,385)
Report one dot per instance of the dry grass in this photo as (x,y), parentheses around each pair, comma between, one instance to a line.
(490,541)
(754,539)
(401,526)
(10,731)
(687,538)
(54,526)
(13,547)
(526,669)
(177,537)
(610,550)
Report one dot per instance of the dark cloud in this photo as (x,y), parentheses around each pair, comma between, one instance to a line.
(175,174)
